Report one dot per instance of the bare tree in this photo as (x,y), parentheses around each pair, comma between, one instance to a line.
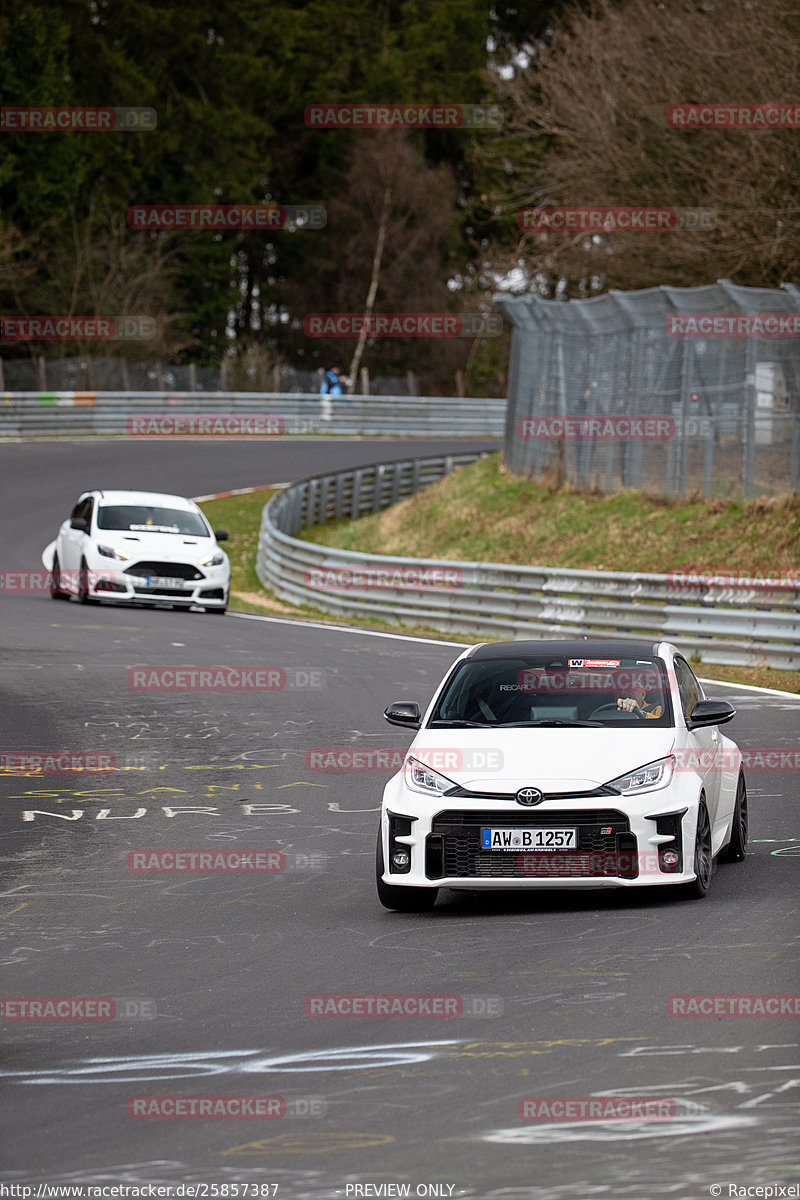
(389,232)
(106,269)
(598,93)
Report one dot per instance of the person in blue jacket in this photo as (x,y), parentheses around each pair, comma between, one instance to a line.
(332,382)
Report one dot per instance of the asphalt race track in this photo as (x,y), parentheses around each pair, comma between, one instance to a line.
(211,972)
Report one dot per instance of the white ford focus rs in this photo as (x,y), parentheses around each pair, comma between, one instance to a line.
(570,763)
(139,548)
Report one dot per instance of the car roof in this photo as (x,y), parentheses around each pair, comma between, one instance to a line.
(568,648)
(163,499)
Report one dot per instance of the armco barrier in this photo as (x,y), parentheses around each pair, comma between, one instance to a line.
(751,624)
(79,414)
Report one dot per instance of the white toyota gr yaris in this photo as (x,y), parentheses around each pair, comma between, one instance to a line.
(552,764)
(139,548)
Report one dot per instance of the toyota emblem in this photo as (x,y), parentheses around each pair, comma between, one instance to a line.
(529,796)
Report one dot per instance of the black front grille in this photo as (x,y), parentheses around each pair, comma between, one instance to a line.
(165,570)
(162,591)
(454,846)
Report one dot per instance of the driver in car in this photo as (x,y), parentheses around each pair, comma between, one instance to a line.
(637,701)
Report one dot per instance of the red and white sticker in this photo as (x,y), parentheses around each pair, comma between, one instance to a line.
(594,662)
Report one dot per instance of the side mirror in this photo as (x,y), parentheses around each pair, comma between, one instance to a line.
(221,535)
(405,713)
(711,712)
(79,523)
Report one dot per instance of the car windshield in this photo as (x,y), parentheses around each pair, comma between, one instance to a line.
(530,690)
(150,518)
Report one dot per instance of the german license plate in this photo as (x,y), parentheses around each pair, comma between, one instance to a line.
(528,839)
(162,581)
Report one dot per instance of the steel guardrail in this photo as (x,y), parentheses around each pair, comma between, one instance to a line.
(80,414)
(751,623)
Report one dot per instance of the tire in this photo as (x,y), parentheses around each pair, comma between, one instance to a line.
(703,860)
(736,848)
(402,899)
(83,585)
(55,579)
(221,611)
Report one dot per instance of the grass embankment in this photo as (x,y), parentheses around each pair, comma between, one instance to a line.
(481,513)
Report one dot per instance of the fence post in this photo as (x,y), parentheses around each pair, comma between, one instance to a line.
(749,449)
(355,499)
(708,456)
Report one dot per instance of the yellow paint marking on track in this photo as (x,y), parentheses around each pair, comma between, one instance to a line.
(126,628)
(515,1049)
(14,910)
(300,783)
(233,767)
(311,1143)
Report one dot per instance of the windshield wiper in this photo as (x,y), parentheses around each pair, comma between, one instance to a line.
(459,724)
(530,724)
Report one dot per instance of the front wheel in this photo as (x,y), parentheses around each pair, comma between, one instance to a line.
(216,610)
(83,585)
(736,848)
(703,860)
(56,591)
(402,899)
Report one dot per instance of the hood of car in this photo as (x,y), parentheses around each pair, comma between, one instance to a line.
(169,547)
(552,759)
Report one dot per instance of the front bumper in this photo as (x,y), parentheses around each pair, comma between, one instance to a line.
(617,845)
(209,592)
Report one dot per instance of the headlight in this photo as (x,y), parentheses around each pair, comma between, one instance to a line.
(216,560)
(423,779)
(648,778)
(110,552)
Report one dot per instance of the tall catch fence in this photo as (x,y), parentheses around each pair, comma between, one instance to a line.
(676,391)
